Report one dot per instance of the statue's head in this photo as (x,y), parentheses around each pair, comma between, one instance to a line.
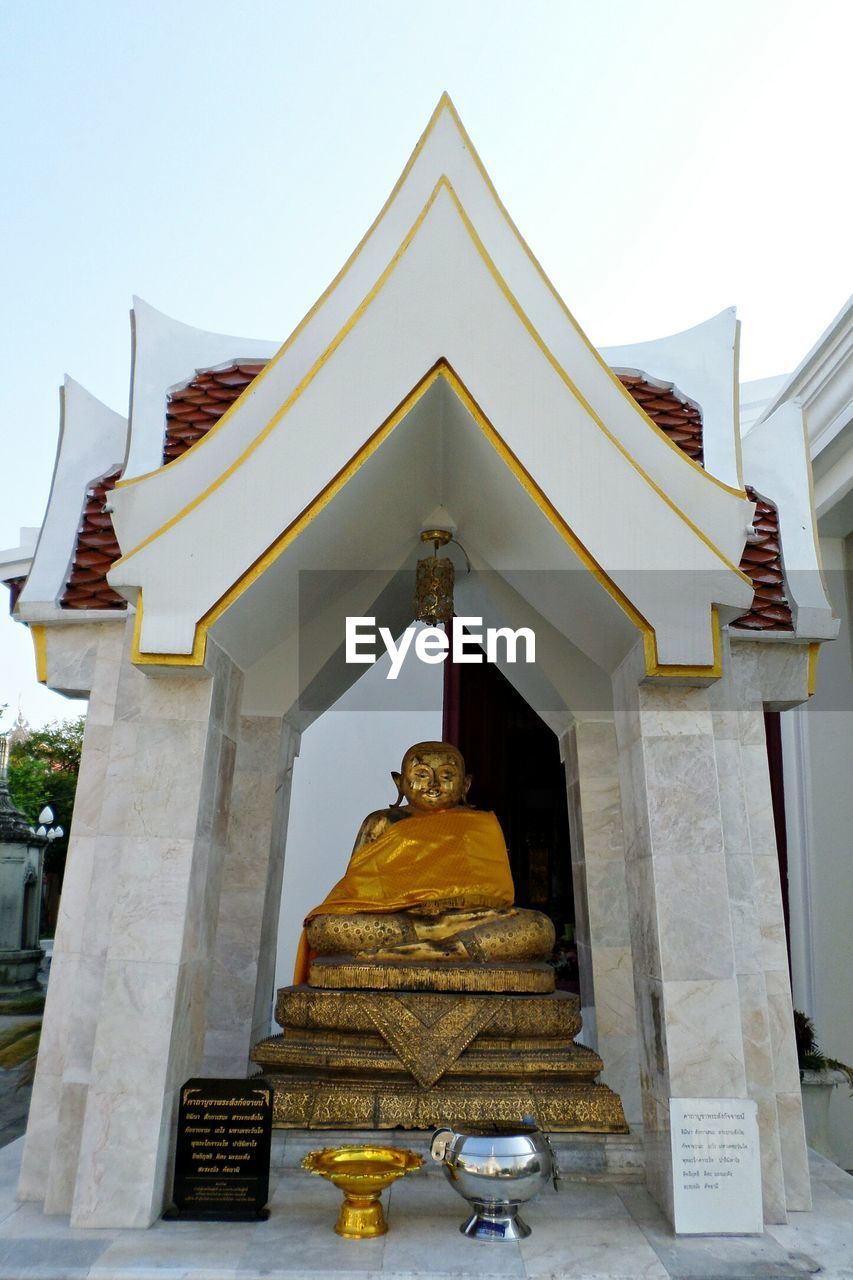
(432,777)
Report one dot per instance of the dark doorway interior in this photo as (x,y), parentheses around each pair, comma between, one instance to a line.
(514,759)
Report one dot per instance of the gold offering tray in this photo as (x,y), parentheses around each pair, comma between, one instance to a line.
(362,1173)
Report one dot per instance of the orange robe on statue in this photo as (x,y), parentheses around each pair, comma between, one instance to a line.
(454,859)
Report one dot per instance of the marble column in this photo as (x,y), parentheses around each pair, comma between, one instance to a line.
(165,815)
(728,721)
(240,1004)
(59,1090)
(760,674)
(685,980)
(601,906)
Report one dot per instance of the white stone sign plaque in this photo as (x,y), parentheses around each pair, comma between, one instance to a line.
(716,1168)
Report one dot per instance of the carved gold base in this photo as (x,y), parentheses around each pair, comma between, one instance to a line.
(556,1015)
(348,973)
(483,1059)
(309,1103)
(406,1059)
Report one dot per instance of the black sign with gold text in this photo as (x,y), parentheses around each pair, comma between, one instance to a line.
(222,1158)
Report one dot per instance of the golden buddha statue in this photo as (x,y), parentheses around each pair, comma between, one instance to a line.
(428,880)
(422,995)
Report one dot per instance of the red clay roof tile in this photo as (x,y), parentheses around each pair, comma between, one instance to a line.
(680,420)
(97,548)
(193,410)
(762,562)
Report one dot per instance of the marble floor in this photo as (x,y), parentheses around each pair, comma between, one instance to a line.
(607,1228)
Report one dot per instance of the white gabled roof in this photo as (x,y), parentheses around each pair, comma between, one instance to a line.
(458,289)
(702,363)
(92,440)
(443,152)
(166,353)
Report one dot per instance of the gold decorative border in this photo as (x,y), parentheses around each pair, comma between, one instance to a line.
(306,1102)
(196,656)
(442,184)
(814,654)
(445,103)
(442,370)
(38,631)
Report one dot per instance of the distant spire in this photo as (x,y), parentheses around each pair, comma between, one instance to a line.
(20,731)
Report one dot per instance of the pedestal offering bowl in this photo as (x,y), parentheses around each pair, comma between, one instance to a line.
(496,1170)
(362,1173)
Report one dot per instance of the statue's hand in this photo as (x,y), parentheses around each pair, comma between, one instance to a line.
(450,949)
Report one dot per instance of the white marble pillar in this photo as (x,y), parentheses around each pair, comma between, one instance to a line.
(167,819)
(601,906)
(59,1091)
(239,1008)
(759,676)
(685,978)
(727,715)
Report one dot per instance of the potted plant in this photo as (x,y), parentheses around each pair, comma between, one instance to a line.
(819,1075)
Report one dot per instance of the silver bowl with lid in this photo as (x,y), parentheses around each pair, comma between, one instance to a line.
(496,1169)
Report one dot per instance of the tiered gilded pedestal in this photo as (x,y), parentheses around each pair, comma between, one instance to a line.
(366,1045)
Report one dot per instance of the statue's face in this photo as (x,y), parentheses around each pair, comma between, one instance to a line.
(434,778)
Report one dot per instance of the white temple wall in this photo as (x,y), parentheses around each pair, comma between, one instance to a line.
(816,744)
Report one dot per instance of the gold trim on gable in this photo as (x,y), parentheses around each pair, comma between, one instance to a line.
(441,370)
(739,493)
(581,399)
(38,631)
(295,393)
(445,184)
(445,102)
(814,654)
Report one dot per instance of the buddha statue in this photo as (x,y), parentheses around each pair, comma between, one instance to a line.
(428,880)
(422,994)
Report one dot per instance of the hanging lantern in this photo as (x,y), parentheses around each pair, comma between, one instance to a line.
(434,581)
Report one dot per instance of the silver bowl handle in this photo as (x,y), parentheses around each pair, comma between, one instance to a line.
(440,1142)
(556,1175)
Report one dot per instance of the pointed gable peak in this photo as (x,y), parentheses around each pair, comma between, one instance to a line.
(443,222)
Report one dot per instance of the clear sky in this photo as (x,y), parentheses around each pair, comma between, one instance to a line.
(663,158)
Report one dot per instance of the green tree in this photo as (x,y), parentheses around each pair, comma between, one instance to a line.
(43,771)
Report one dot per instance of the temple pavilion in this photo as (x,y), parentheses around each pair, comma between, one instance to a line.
(192,578)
